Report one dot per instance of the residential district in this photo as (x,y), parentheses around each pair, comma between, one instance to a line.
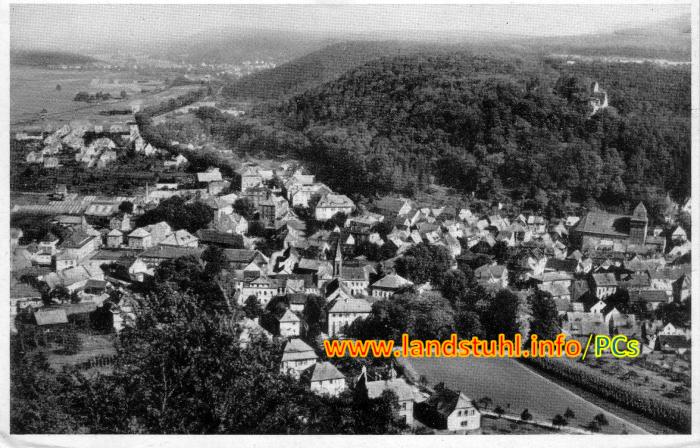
(287,238)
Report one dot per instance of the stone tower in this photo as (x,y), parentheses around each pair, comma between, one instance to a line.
(638,225)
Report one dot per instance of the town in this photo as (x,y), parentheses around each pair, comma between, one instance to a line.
(303,264)
(204,199)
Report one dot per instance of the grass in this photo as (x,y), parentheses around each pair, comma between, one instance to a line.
(514,388)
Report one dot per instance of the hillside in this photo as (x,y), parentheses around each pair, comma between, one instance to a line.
(37,58)
(313,69)
(485,125)
(237,47)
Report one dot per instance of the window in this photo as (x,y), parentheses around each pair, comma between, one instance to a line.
(464,423)
(403,405)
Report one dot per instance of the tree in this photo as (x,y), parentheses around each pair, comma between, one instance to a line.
(545,317)
(59,294)
(485,402)
(526,416)
(315,314)
(252,307)
(123,94)
(601,419)
(126,207)
(423,263)
(499,411)
(245,208)
(558,420)
(569,414)
(501,315)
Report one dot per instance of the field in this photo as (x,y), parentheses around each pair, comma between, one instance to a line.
(33,89)
(514,387)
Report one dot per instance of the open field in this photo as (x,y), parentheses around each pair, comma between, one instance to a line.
(33,89)
(514,387)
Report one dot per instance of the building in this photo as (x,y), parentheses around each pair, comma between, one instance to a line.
(180,238)
(79,244)
(140,239)
(327,379)
(297,357)
(405,394)
(251,178)
(115,239)
(289,324)
(600,230)
(603,285)
(490,275)
(450,410)
(344,311)
(331,204)
(388,285)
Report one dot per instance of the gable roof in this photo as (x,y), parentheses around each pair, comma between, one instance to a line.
(50,316)
(445,401)
(288,316)
(391,281)
(325,371)
(350,305)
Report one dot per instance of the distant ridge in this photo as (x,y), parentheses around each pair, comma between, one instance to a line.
(37,58)
(315,68)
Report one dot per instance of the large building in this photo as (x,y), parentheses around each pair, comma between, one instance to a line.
(602,230)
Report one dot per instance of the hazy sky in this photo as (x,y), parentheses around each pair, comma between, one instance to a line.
(83,26)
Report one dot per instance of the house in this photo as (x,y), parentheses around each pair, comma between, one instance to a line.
(582,324)
(49,244)
(121,223)
(139,239)
(330,204)
(388,285)
(450,410)
(180,238)
(79,244)
(650,299)
(673,344)
(251,178)
(327,379)
(50,162)
(221,239)
(260,286)
(73,278)
(679,235)
(271,209)
(210,175)
(392,206)
(153,256)
(297,357)
(405,393)
(139,270)
(343,311)
(603,285)
(115,239)
(490,275)
(159,231)
(22,296)
(241,258)
(289,324)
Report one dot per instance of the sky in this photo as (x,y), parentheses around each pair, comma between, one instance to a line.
(83,26)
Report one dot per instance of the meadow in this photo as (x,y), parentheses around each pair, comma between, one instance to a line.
(514,387)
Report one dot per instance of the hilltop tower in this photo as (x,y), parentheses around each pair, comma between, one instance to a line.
(638,225)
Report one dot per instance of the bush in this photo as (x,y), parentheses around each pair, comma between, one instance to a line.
(71,342)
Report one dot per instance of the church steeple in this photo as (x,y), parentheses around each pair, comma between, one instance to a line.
(338,260)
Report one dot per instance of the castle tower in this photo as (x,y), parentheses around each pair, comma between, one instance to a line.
(638,225)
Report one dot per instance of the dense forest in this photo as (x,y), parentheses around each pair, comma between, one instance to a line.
(483,125)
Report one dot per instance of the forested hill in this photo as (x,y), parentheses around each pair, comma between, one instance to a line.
(313,69)
(37,58)
(486,125)
(492,125)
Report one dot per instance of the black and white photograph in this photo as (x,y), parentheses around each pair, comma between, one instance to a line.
(429,221)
